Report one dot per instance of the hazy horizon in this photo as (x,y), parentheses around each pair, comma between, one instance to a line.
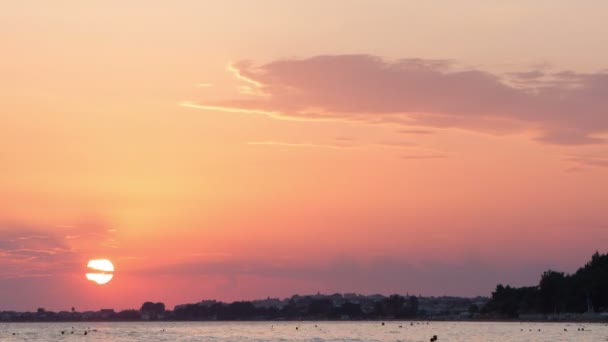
(238,150)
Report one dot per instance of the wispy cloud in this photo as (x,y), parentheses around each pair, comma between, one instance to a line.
(271,114)
(236,70)
(587,161)
(25,252)
(423,156)
(394,144)
(344,144)
(298,144)
(565,107)
(415,131)
(251,87)
(30,251)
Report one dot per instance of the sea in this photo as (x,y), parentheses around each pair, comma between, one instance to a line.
(392,331)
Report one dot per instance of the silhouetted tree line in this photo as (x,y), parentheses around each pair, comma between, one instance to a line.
(306,307)
(297,307)
(586,290)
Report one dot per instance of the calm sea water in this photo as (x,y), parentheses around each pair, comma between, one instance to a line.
(307,331)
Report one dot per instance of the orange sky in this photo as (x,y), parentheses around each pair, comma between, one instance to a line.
(236,150)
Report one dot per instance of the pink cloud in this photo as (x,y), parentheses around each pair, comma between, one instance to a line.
(36,251)
(28,253)
(565,107)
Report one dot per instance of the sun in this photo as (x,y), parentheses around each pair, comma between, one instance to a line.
(101,271)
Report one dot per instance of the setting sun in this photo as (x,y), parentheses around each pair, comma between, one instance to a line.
(100,271)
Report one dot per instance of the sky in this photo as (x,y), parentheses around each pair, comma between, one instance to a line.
(236,150)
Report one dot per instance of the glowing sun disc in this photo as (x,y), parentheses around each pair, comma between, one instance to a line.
(100,271)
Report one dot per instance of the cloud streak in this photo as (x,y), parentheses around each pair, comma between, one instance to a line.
(31,251)
(415,152)
(425,156)
(372,276)
(565,108)
(298,144)
(25,253)
(589,161)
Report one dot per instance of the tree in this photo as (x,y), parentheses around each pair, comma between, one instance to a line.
(394,304)
(551,291)
(128,315)
(557,292)
(153,309)
(352,310)
(411,307)
(320,307)
(239,310)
